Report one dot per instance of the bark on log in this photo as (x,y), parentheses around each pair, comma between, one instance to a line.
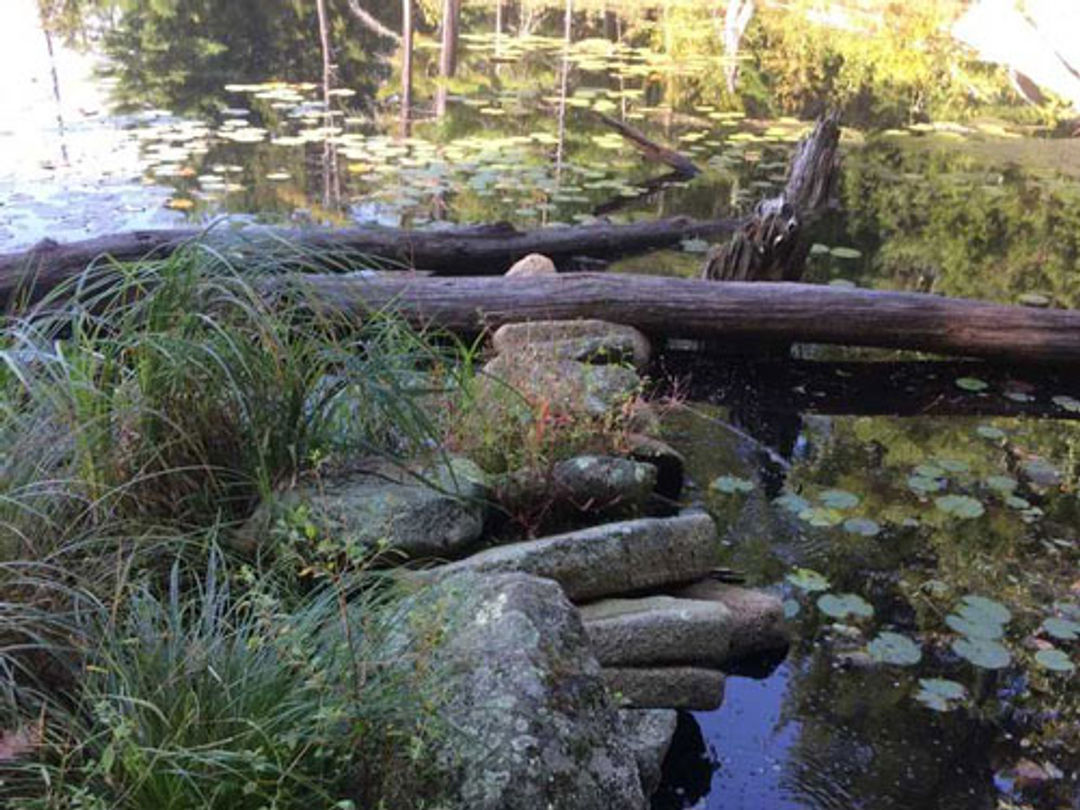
(483,250)
(745,313)
(770,246)
(650,148)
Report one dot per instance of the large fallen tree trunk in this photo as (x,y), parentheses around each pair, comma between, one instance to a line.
(743,312)
(483,250)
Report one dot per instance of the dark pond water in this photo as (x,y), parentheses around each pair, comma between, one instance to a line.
(920,520)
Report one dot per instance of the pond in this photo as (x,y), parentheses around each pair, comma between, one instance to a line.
(919,519)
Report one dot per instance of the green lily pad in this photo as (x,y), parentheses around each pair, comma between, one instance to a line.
(929,471)
(953,465)
(694,245)
(820,516)
(818,249)
(1067,403)
(840,606)
(939,694)
(971,384)
(961,506)
(1054,660)
(974,629)
(1018,396)
(839,499)
(1002,483)
(1064,629)
(1033,300)
(923,485)
(982,652)
(990,432)
(791,608)
(792,502)
(979,608)
(893,648)
(731,484)
(1016,502)
(808,580)
(862,526)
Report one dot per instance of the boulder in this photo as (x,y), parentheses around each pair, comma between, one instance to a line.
(694,688)
(659,631)
(614,558)
(436,513)
(568,386)
(758,627)
(649,733)
(528,721)
(534,264)
(575,490)
(590,341)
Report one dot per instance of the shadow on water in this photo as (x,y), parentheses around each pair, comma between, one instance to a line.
(833,456)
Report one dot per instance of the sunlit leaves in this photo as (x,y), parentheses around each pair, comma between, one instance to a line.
(808,580)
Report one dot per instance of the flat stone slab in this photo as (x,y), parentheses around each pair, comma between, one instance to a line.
(659,631)
(611,559)
(439,513)
(648,734)
(757,618)
(695,688)
(589,340)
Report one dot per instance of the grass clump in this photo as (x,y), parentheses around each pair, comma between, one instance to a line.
(144,411)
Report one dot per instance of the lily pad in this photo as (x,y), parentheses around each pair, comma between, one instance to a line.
(862,526)
(971,384)
(694,245)
(1055,660)
(961,506)
(939,694)
(792,502)
(808,580)
(839,499)
(1033,300)
(990,432)
(791,608)
(1018,396)
(923,485)
(973,628)
(1067,403)
(982,652)
(1064,629)
(981,609)
(1002,483)
(840,606)
(731,484)
(893,648)
(820,516)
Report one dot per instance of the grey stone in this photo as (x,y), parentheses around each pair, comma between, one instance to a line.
(534,264)
(590,341)
(529,722)
(757,618)
(435,513)
(659,631)
(614,558)
(695,688)
(649,733)
(567,385)
(584,486)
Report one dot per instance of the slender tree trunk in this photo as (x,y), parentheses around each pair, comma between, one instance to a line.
(331,189)
(406,67)
(564,80)
(448,52)
(45,23)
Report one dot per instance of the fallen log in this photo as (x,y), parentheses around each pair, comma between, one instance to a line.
(742,312)
(650,148)
(489,249)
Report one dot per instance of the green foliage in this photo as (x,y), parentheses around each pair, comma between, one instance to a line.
(212,690)
(181,396)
